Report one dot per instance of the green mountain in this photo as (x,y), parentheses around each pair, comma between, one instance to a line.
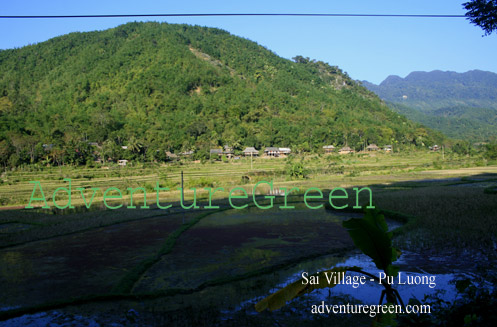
(461,105)
(156,86)
(465,123)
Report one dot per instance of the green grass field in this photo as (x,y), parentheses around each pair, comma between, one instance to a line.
(323,171)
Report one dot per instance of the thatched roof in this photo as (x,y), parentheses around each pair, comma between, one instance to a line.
(250,149)
(372,147)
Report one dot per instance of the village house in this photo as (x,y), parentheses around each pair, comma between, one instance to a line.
(272,152)
(345,150)
(372,147)
(250,152)
(187,153)
(328,148)
(285,151)
(95,144)
(387,148)
(215,153)
(434,148)
(171,156)
(228,152)
(122,162)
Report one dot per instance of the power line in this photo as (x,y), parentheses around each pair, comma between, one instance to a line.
(230,14)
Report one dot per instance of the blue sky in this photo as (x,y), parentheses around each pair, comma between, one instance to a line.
(367,48)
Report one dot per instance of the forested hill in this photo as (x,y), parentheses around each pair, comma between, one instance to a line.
(460,105)
(181,87)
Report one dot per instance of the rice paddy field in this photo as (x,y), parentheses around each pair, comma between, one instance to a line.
(209,266)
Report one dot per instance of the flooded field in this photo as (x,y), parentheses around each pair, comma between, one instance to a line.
(79,264)
(208,265)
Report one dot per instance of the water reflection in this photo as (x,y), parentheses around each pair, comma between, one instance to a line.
(411,264)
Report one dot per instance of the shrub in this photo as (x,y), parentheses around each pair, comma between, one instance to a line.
(437,164)
(491,151)
(201,182)
(296,170)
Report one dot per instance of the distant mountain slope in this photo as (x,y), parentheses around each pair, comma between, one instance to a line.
(184,87)
(461,105)
(473,124)
(429,91)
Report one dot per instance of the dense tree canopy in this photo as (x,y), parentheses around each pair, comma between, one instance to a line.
(154,87)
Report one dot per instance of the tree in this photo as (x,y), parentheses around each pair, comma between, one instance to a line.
(491,151)
(301,60)
(462,148)
(482,13)
(135,146)
(5,152)
(109,150)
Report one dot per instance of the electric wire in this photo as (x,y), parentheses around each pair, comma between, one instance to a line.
(229,14)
